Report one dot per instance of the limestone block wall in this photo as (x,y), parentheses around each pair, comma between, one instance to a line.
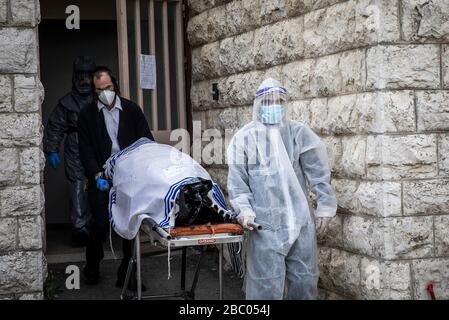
(22,264)
(371,77)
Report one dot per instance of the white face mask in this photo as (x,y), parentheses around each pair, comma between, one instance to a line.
(107,97)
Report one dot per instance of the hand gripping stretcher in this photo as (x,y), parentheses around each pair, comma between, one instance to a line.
(181,237)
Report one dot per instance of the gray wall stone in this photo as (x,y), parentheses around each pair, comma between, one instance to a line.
(8,230)
(334,235)
(242,44)
(403,66)
(3,11)
(435,271)
(242,16)
(445,65)
(424,20)
(5,94)
(408,237)
(18,52)
(392,157)
(30,233)
(426,197)
(31,162)
(28,93)
(30,296)
(350,24)
(443,154)
(382,199)
(278,43)
(390,238)
(385,280)
(25,12)
(363,235)
(21,272)
(441,235)
(340,271)
(21,201)
(379,112)
(432,110)
(8,166)
(272,10)
(20,130)
(353,161)
(330,75)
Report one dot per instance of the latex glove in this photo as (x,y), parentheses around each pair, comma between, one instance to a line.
(53,159)
(322,224)
(102,184)
(245,220)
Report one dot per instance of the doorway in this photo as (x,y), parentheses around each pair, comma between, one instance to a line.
(114,33)
(59,46)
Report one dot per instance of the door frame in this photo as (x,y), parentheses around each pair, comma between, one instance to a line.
(183,62)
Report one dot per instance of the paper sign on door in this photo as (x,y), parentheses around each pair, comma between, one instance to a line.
(147,71)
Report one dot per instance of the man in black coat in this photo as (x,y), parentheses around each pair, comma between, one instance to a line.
(106,126)
(63,122)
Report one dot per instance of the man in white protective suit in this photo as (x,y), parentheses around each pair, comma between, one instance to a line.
(274,163)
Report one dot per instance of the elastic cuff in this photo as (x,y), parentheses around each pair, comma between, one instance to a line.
(247,213)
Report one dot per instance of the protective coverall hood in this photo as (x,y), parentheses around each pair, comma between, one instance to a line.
(83,68)
(269,103)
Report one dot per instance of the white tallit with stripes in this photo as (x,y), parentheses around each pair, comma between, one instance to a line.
(146,178)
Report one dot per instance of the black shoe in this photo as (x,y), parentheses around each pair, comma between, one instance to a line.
(92,275)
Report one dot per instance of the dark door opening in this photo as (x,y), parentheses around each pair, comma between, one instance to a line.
(97,37)
(151,27)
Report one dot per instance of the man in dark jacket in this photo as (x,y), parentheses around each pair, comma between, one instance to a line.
(106,126)
(63,121)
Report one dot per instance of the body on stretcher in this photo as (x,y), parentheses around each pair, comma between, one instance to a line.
(166,194)
(183,237)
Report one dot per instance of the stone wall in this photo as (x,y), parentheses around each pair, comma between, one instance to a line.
(371,77)
(22,264)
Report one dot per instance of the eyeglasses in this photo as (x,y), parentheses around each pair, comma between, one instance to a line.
(99,90)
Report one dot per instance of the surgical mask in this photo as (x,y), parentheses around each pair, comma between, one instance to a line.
(107,97)
(271,114)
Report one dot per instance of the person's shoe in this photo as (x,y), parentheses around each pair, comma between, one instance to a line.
(92,275)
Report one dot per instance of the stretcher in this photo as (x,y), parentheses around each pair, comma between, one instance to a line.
(180,237)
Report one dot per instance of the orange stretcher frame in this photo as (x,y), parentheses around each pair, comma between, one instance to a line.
(206,229)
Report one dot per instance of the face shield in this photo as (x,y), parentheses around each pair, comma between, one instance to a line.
(83,69)
(83,82)
(269,104)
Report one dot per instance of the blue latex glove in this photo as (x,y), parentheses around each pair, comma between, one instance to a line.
(53,159)
(102,184)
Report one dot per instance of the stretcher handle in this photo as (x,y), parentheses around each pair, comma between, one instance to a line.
(154,226)
(254,225)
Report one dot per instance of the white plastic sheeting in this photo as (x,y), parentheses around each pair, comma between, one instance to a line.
(147,178)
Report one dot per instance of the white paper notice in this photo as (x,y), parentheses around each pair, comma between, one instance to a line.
(147,71)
